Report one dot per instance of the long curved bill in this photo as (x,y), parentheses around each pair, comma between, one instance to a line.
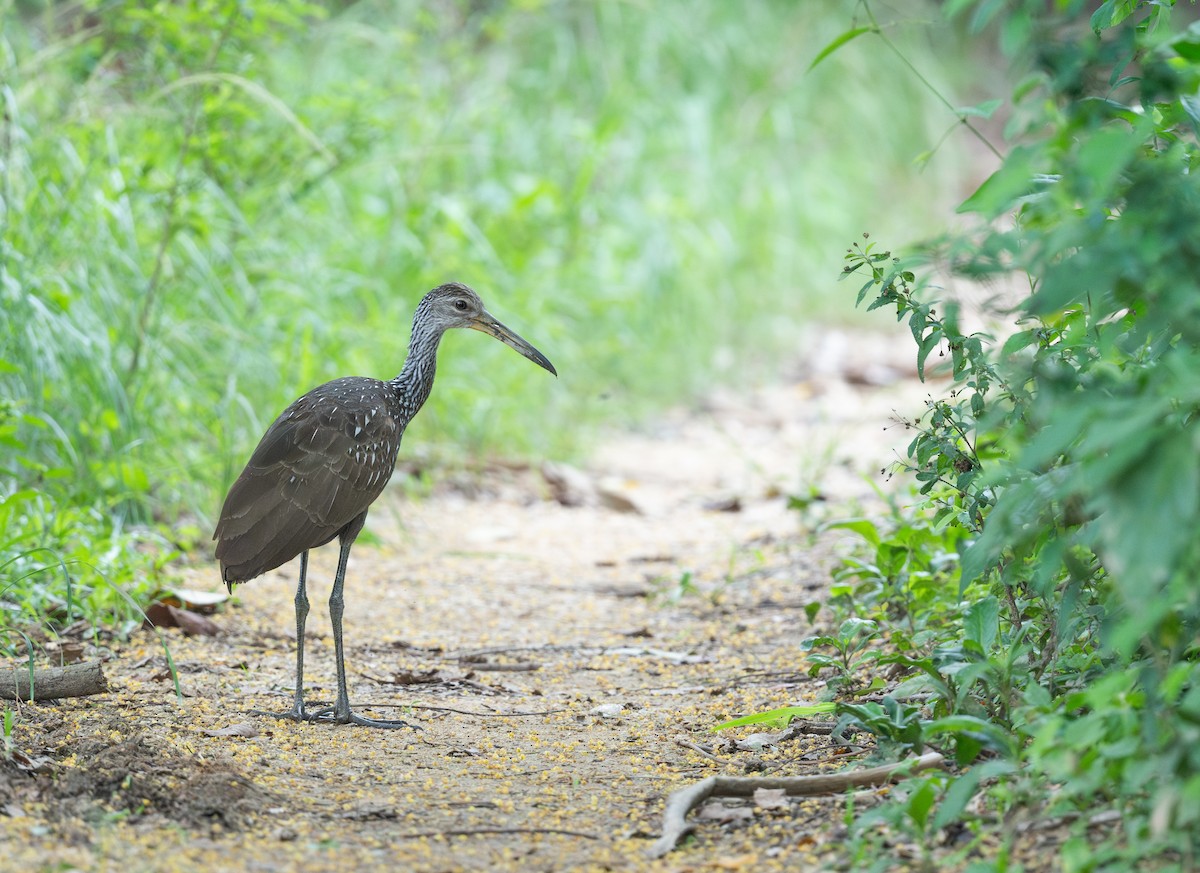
(487,323)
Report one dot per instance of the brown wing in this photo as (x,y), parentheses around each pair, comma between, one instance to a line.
(316,469)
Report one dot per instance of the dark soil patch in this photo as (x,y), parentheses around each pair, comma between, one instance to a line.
(136,777)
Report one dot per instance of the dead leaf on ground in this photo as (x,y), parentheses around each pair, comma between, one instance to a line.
(675,657)
(770,798)
(755,742)
(410,677)
(719,812)
(624,590)
(612,496)
(200,601)
(163,614)
(569,485)
(32,763)
(205,602)
(193,623)
(739,862)
(607,710)
(241,729)
(652,559)
(731,503)
(68,651)
(371,811)
(484,664)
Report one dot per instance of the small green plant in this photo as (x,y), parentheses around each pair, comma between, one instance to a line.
(850,653)
(684,586)
(897,726)
(10,721)
(903,578)
(171,667)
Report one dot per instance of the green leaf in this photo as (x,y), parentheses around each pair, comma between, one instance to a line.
(864,527)
(1070,281)
(967,747)
(981,622)
(838,42)
(956,7)
(780,717)
(921,802)
(1188,50)
(25,495)
(1104,155)
(925,346)
(1112,13)
(993,736)
(1145,523)
(980,110)
(1191,106)
(1019,340)
(1000,191)
(963,788)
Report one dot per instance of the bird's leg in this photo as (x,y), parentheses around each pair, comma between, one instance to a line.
(337,603)
(301,614)
(297,712)
(341,712)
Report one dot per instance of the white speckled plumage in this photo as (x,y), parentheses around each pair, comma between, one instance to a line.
(330,454)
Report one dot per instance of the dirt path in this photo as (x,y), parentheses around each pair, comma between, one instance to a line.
(552,656)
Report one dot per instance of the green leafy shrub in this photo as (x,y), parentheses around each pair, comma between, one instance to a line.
(1060,474)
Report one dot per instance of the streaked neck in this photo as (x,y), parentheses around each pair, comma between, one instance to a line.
(416,377)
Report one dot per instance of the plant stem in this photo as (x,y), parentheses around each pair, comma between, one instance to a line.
(929,85)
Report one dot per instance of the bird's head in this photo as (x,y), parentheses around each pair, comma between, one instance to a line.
(455,305)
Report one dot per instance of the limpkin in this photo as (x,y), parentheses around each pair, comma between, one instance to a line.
(320,466)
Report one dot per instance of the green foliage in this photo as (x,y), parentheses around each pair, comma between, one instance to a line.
(1058,479)
(945,461)
(61,561)
(850,650)
(901,580)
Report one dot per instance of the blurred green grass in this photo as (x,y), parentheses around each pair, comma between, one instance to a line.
(211,207)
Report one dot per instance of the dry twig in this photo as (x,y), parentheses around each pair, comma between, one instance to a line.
(51,683)
(477,832)
(683,801)
(697,748)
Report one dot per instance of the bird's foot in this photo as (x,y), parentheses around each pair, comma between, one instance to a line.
(331,715)
(296,713)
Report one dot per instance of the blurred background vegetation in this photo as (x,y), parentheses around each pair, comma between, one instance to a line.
(211,206)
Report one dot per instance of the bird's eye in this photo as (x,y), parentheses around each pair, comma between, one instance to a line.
(460,305)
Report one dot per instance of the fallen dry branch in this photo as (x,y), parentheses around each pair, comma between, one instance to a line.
(697,748)
(467,711)
(683,801)
(482,832)
(51,683)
